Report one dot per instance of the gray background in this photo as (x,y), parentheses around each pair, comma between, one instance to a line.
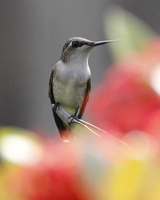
(32,33)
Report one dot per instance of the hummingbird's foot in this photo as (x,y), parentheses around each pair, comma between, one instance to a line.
(56,105)
(72,118)
(75,116)
(77,111)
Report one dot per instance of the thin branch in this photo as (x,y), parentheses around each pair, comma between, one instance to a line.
(84,125)
(101,130)
(68,120)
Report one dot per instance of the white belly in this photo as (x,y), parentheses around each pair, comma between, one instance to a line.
(70,95)
(69,85)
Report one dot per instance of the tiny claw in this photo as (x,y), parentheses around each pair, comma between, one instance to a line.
(56,105)
(73,117)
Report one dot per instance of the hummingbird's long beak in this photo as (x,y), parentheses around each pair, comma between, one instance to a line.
(93,44)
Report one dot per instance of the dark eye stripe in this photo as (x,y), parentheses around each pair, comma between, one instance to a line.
(76,44)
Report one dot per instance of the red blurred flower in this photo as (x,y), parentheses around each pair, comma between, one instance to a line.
(57,177)
(125,100)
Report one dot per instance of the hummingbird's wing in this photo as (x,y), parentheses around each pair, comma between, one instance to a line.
(88,89)
(58,120)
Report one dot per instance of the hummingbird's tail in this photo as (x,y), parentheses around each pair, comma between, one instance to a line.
(65,133)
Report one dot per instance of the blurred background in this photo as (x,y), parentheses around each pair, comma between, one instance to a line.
(32,34)
(123,163)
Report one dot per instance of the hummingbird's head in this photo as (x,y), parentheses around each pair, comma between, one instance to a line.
(77,47)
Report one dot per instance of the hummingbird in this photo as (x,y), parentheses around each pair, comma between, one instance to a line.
(70,80)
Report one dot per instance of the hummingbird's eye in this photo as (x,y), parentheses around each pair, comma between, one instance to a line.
(76,44)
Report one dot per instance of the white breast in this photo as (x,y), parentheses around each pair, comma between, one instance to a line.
(69,84)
